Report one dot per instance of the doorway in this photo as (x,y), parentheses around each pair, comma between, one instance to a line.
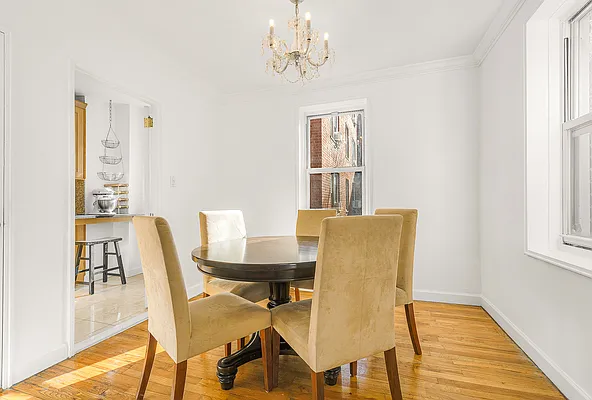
(113,153)
(3,133)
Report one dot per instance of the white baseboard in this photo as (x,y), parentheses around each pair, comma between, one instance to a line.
(194,290)
(133,272)
(564,382)
(447,297)
(34,367)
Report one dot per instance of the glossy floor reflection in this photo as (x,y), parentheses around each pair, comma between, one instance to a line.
(111,304)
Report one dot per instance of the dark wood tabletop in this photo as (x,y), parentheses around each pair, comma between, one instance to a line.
(259,259)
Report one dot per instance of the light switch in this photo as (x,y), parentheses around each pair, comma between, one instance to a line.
(173,181)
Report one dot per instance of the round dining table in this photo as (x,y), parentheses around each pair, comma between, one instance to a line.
(278,260)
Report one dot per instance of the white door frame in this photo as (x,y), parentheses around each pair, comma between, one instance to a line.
(153,201)
(4,208)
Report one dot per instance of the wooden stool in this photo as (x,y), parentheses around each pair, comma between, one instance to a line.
(104,269)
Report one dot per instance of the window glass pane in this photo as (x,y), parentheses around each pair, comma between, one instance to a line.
(342,191)
(581,186)
(582,63)
(336,140)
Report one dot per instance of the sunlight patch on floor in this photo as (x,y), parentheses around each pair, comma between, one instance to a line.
(99,368)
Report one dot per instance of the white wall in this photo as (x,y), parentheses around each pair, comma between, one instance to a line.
(46,37)
(423,143)
(546,309)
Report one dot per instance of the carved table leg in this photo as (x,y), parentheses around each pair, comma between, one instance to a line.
(228,366)
(331,376)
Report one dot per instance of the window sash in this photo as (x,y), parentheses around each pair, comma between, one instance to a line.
(577,115)
(572,129)
(332,116)
(361,168)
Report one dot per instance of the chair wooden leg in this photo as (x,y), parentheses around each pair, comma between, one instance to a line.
(266,336)
(240,343)
(297,294)
(227,349)
(353,368)
(318,385)
(410,313)
(392,371)
(275,354)
(179,381)
(148,362)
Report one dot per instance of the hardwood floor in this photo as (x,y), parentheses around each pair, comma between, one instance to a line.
(465,356)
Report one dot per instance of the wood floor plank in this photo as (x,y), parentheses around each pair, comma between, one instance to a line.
(466,356)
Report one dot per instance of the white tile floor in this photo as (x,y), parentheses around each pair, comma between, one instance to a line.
(111,304)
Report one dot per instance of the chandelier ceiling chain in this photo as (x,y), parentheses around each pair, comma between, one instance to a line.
(302,55)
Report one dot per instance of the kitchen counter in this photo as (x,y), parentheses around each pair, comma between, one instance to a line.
(91,219)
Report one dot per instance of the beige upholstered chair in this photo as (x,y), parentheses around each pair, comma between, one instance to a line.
(405,274)
(308,223)
(217,226)
(357,256)
(185,329)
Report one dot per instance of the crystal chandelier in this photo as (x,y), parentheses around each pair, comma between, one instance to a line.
(302,55)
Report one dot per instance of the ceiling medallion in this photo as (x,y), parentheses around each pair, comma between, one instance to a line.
(301,61)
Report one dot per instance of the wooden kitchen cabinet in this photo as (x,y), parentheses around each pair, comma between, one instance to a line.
(80,139)
(80,167)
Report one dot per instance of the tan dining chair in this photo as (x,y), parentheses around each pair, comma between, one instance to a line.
(218,226)
(358,256)
(405,275)
(308,223)
(185,329)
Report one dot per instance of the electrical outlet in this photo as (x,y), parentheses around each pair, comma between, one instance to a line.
(173,181)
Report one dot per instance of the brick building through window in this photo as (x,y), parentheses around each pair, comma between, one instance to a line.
(336,161)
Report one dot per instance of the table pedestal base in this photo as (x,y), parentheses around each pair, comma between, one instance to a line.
(228,366)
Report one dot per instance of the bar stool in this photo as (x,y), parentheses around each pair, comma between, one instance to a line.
(104,269)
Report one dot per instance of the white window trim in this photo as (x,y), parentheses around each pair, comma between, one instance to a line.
(303,170)
(544,107)
(569,127)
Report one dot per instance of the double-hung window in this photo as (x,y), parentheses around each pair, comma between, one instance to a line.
(577,131)
(335,161)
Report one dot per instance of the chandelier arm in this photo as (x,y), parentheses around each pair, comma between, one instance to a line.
(283,69)
(317,64)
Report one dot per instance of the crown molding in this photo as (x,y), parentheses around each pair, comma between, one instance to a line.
(498,26)
(369,77)
(393,73)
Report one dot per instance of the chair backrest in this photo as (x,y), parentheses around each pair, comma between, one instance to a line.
(169,320)
(217,226)
(308,222)
(353,305)
(407,250)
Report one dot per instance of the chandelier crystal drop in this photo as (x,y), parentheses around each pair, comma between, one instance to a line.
(301,61)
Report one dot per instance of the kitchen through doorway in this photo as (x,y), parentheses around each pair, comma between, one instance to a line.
(112,183)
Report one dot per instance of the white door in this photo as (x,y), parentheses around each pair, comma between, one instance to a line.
(2,225)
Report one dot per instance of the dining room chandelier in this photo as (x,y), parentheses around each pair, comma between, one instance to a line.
(301,61)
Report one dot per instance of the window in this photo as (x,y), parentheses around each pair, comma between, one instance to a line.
(335,161)
(577,132)
(557,102)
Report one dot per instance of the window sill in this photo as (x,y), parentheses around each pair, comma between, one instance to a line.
(580,270)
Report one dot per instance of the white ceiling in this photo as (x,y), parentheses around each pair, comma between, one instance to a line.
(221,39)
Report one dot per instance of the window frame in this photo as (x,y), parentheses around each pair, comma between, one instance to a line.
(304,170)
(544,115)
(572,121)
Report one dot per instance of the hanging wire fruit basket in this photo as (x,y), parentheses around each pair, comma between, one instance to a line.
(110,176)
(111,142)
(111,160)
